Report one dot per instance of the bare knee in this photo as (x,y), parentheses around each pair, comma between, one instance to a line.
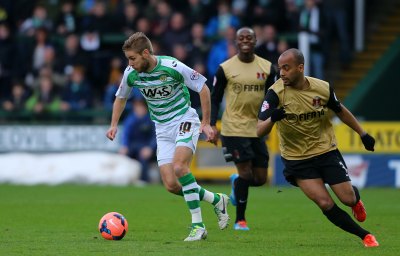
(349,199)
(245,175)
(173,187)
(324,203)
(180,169)
(260,176)
(259,181)
(170,181)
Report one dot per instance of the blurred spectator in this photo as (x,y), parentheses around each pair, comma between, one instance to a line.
(59,80)
(7,56)
(90,41)
(44,99)
(163,15)
(38,19)
(239,8)
(128,18)
(43,51)
(67,20)
(199,44)
(150,9)
(144,25)
(114,78)
(282,46)
(157,49)
(220,51)
(5,11)
(337,19)
(179,51)
(197,12)
(268,49)
(16,101)
(138,138)
(292,15)
(71,55)
(86,6)
(312,21)
(33,55)
(98,19)
(77,93)
(268,12)
(177,32)
(258,30)
(216,27)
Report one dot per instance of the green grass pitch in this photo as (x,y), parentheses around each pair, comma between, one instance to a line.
(62,220)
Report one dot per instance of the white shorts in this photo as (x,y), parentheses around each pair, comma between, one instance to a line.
(184,132)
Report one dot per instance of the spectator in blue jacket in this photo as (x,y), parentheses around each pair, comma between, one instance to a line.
(138,137)
(218,24)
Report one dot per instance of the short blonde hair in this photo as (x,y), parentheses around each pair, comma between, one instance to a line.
(138,42)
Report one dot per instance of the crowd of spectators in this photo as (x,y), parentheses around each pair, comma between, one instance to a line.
(65,55)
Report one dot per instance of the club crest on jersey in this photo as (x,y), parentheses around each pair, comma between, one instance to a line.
(194,75)
(316,102)
(264,106)
(163,78)
(261,76)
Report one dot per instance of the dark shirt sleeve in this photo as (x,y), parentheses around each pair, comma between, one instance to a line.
(271,78)
(333,102)
(217,94)
(270,103)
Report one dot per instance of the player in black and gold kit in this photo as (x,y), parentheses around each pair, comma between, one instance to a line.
(301,106)
(243,79)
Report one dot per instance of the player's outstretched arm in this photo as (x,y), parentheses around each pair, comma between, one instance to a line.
(348,118)
(118,108)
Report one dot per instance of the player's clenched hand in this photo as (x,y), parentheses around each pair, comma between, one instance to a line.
(368,141)
(215,139)
(208,131)
(278,114)
(111,133)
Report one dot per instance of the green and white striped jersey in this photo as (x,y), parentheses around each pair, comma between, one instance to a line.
(165,88)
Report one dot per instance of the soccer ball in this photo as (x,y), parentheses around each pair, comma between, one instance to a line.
(113,226)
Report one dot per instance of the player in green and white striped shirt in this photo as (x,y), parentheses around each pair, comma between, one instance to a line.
(164,83)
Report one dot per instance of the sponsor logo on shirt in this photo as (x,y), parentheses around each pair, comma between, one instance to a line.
(160,92)
(237,88)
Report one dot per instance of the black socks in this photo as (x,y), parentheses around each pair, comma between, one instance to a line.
(343,220)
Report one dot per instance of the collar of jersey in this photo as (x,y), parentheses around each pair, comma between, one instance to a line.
(157,65)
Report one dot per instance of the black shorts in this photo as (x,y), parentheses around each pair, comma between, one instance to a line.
(242,149)
(330,167)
